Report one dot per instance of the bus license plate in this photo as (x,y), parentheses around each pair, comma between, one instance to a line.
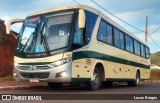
(34,80)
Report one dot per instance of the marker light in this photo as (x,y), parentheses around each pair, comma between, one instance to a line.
(63,74)
(15,75)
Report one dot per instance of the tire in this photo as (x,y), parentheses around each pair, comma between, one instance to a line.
(134,83)
(107,84)
(54,85)
(96,82)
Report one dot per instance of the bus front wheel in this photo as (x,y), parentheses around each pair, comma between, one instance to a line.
(135,82)
(96,81)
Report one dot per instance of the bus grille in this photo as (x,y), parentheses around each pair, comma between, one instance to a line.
(44,67)
(35,75)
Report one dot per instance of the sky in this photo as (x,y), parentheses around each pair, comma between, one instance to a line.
(133,12)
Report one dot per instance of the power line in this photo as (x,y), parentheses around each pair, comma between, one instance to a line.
(152,38)
(155,49)
(123,20)
(113,15)
(75,1)
(154,41)
(153,31)
(116,16)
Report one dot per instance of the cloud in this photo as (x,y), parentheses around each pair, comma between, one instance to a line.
(6,18)
(133,15)
(153,27)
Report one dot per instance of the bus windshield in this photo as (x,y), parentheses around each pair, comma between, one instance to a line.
(44,35)
(28,36)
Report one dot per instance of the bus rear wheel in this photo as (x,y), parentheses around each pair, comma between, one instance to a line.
(96,82)
(135,82)
(55,85)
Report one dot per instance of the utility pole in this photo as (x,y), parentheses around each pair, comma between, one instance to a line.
(146,32)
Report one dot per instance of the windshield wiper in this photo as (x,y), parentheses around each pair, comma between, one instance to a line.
(27,42)
(44,40)
(45,43)
(34,34)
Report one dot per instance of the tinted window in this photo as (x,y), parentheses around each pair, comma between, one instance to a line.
(142,50)
(135,47)
(90,23)
(129,43)
(109,34)
(78,36)
(138,49)
(82,36)
(102,32)
(121,40)
(116,38)
(147,52)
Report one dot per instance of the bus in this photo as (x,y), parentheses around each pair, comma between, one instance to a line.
(78,44)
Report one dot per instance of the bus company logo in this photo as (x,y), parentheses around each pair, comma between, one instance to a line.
(6,97)
(33,67)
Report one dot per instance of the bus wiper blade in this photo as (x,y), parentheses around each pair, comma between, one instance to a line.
(32,34)
(27,42)
(45,43)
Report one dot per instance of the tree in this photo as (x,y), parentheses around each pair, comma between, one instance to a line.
(2,33)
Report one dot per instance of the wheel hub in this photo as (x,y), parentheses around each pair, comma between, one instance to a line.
(95,79)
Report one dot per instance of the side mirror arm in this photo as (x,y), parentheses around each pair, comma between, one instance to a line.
(10,22)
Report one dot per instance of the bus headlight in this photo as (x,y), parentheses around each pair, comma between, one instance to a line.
(60,62)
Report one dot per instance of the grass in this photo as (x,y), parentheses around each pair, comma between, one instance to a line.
(155,74)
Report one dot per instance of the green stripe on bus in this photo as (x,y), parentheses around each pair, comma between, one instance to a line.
(96,55)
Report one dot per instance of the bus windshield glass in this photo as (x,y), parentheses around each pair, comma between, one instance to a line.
(28,36)
(45,33)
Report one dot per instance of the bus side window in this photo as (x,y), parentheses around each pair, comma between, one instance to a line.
(147,52)
(129,43)
(109,34)
(82,36)
(142,50)
(138,47)
(121,40)
(78,36)
(116,38)
(102,32)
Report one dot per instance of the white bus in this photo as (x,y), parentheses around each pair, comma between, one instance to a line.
(78,44)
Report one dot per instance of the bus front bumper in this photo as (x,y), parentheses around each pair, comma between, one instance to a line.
(62,73)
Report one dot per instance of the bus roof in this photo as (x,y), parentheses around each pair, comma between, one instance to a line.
(85,7)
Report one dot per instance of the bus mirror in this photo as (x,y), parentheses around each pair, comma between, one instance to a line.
(10,22)
(81,19)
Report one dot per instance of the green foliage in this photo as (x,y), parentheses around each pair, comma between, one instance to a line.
(155,58)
